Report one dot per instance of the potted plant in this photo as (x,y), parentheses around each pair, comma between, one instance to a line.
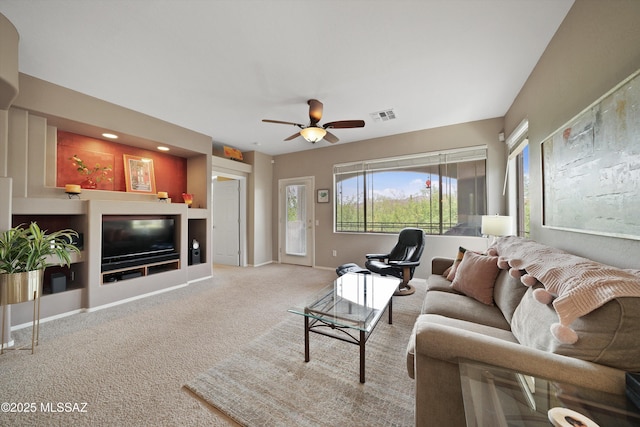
(24,254)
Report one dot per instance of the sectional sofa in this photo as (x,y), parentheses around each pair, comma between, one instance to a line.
(581,327)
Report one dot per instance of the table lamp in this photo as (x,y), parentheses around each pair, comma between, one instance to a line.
(496,226)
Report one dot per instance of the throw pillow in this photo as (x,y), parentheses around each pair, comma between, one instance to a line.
(451,271)
(446,272)
(476,276)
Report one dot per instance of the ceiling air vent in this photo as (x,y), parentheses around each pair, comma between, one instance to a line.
(383,116)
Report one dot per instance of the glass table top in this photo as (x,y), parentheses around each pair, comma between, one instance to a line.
(353,301)
(496,396)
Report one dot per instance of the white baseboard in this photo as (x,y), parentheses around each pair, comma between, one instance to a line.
(47,319)
(137,297)
(198,280)
(260,265)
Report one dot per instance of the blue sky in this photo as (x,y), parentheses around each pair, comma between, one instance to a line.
(394,184)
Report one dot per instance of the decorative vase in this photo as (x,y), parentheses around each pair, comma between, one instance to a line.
(89,184)
(20,287)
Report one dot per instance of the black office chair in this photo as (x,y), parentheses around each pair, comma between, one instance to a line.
(402,261)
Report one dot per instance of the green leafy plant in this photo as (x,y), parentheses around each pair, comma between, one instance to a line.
(26,249)
(96,173)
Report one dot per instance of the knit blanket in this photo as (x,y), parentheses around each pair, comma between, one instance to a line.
(576,286)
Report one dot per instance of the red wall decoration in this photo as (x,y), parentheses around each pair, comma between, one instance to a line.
(170,171)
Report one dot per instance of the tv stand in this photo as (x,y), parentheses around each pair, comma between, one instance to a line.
(126,263)
(113,276)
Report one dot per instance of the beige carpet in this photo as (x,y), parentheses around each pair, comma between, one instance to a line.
(268,384)
(129,363)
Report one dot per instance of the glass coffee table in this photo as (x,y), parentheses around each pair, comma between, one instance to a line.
(348,310)
(495,397)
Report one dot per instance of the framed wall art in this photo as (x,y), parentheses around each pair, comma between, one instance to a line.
(591,167)
(323,196)
(139,174)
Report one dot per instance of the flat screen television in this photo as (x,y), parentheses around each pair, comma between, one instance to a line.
(130,241)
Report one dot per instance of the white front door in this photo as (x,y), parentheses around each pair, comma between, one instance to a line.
(226,222)
(296,216)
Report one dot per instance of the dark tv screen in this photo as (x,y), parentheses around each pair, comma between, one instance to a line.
(136,237)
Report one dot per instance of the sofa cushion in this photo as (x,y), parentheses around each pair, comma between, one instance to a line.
(458,306)
(476,276)
(608,335)
(507,293)
(440,284)
(577,285)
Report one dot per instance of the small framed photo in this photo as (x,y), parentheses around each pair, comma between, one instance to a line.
(139,174)
(323,196)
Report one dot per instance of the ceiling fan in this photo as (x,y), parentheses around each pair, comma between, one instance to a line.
(314,132)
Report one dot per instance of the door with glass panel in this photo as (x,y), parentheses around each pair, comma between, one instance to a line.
(296,221)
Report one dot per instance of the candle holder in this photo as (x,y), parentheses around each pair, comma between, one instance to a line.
(163,196)
(188,199)
(73,190)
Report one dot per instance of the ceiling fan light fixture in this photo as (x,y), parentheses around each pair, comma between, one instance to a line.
(313,133)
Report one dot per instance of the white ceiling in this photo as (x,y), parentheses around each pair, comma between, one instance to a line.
(220,66)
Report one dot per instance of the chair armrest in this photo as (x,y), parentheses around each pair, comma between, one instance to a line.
(435,339)
(377,256)
(405,263)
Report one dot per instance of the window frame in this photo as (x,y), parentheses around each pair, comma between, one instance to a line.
(516,144)
(427,159)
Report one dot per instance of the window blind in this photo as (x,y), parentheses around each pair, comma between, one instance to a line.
(412,161)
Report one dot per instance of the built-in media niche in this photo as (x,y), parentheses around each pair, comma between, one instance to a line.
(130,241)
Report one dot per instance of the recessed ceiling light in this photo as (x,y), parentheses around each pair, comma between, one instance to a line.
(110,135)
(163,148)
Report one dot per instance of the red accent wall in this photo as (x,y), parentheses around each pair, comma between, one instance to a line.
(170,171)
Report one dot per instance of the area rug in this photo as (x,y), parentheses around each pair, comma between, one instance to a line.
(267,383)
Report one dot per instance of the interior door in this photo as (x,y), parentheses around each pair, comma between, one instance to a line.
(296,214)
(226,222)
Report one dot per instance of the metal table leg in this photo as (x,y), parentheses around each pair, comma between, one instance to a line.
(362,354)
(306,339)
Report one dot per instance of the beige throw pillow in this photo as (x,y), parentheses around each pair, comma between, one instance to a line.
(476,276)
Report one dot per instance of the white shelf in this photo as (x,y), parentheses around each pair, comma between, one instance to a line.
(195,213)
(48,206)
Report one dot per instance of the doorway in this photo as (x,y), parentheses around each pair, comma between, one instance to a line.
(229,220)
(296,218)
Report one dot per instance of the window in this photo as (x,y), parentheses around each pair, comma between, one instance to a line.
(518,178)
(522,193)
(441,193)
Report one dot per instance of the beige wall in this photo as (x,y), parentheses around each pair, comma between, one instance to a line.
(259,212)
(596,47)
(352,247)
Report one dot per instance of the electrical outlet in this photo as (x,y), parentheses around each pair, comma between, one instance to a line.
(335,253)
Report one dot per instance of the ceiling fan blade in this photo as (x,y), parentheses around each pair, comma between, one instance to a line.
(283,123)
(329,137)
(294,136)
(344,124)
(315,111)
